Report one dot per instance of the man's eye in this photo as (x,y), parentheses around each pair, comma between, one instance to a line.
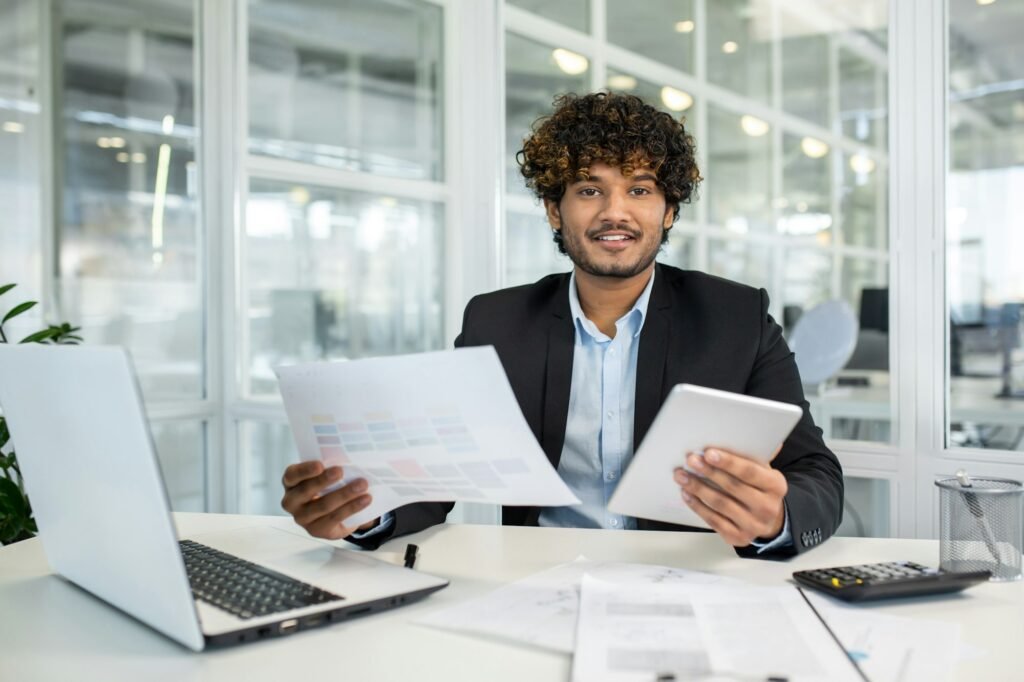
(588,192)
(640,190)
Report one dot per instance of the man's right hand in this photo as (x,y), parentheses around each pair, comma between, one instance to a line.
(323,516)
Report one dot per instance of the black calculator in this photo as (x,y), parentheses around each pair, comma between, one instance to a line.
(885,580)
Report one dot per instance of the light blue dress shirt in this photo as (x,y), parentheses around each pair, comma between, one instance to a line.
(599,429)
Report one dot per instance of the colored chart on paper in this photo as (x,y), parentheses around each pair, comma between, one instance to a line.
(441,426)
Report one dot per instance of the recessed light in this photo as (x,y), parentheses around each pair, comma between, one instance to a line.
(570,62)
(621,81)
(730,46)
(676,100)
(684,26)
(13,127)
(813,147)
(860,163)
(753,126)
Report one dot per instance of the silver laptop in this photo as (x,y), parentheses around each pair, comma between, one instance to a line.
(77,423)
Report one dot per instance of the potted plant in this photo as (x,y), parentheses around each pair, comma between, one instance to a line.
(16,522)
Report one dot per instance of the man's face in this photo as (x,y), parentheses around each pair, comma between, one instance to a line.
(612,224)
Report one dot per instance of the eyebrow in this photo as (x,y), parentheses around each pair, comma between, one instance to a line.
(638,177)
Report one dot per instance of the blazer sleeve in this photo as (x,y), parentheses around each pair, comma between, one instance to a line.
(412,518)
(812,471)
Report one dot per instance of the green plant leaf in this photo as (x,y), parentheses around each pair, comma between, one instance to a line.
(18,310)
(5,435)
(12,502)
(41,336)
(6,287)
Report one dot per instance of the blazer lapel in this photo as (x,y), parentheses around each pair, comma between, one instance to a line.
(558,378)
(652,357)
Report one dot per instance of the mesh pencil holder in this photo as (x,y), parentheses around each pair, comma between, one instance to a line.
(980,526)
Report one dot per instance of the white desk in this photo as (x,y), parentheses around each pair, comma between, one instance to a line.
(50,630)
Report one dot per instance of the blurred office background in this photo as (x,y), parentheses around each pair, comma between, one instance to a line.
(224,187)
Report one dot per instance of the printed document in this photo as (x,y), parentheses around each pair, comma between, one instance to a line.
(441,426)
(678,631)
(540,610)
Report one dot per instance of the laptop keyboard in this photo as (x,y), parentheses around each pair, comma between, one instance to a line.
(245,589)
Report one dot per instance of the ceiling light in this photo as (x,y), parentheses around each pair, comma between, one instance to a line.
(570,62)
(813,147)
(123,157)
(103,142)
(730,46)
(860,163)
(138,157)
(13,127)
(753,126)
(116,142)
(168,124)
(684,26)
(299,195)
(621,82)
(676,100)
(985,2)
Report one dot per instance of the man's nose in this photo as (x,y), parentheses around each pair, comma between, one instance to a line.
(614,209)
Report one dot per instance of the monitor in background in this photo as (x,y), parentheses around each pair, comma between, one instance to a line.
(874,309)
(872,350)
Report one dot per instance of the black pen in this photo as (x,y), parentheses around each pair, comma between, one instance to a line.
(410,555)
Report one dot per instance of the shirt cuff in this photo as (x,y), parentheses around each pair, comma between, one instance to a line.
(388,520)
(782,540)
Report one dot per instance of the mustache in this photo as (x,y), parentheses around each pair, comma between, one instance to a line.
(605,229)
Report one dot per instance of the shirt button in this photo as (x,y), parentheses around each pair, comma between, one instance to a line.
(611,414)
(610,351)
(615,523)
(610,476)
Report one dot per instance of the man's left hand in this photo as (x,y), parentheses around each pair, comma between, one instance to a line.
(748,503)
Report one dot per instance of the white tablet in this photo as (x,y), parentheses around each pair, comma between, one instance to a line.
(694,418)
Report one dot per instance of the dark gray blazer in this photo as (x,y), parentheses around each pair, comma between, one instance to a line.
(700,330)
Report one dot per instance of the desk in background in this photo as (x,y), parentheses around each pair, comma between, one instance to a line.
(50,630)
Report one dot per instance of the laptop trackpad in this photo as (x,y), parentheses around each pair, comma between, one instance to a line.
(351,574)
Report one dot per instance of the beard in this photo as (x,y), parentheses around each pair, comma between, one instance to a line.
(576,244)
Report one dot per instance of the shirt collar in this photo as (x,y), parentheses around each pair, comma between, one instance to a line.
(638,312)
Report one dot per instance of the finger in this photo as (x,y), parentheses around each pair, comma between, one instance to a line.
(721,525)
(720,502)
(724,480)
(329,503)
(751,472)
(332,527)
(298,495)
(296,473)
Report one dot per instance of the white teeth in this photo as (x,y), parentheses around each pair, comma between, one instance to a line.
(613,238)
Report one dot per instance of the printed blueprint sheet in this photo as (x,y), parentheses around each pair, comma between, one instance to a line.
(441,426)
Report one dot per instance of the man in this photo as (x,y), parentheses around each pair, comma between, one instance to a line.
(592,355)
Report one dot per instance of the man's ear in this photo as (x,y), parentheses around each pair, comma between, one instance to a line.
(670,216)
(554,215)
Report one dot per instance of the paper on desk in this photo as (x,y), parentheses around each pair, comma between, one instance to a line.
(638,633)
(441,426)
(540,610)
(893,648)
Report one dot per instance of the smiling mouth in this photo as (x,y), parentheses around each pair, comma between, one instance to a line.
(614,238)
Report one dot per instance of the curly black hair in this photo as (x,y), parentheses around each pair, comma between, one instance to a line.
(617,129)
